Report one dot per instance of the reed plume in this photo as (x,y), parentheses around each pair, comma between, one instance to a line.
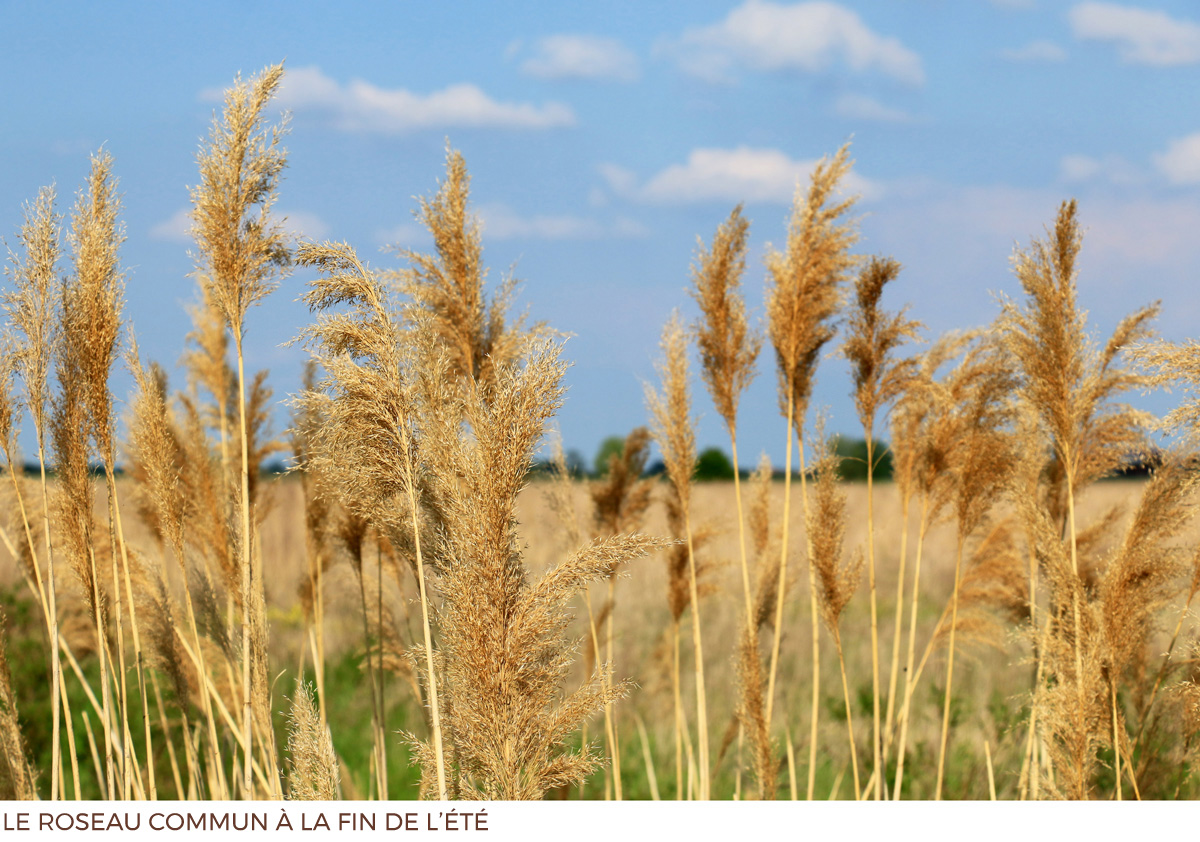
(92,320)
(167,463)
(619,503)
(1142,579)
(502,636)
(314,772)
(474,330)
(1073,386)
(804,293)
(751,710)
(673,429)
(369,411)
(242,252)
(32,309)
(728,350)
(979,465)
(910,420)
(1173,365)
(622,496)
(872,337)
(836,579)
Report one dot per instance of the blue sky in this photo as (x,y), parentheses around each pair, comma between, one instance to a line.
(603,138)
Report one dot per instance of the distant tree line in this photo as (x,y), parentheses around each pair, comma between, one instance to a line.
(714,464)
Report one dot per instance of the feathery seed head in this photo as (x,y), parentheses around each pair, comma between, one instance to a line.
(1069,382)
(92,301)
(804,284)
(621,498)
(242,249)
(872,336)
(314,771)
(728,349)
(836,580)
(32,306)
(671,419)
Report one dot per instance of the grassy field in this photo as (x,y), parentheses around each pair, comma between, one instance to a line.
(991,706)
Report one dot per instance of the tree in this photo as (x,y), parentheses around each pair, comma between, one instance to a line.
(853,453)
(713,464)
(610,447)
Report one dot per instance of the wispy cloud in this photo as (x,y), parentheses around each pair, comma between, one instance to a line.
(809,37)
(727,175)
(1141,36)
(1035,52)
(858,107)
(1180,161)
(1111,169)
(1135,242)
(303,225)
(176,229)
(581,57)
(359,106)
(298,224)
(501,222)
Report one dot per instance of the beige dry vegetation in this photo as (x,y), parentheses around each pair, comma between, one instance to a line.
(413,612)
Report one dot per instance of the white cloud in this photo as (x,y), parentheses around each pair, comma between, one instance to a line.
(581,57)
(1079,167)
(1136,248)
(728,175)
(810,37)
(302,225)
(177,229)
(619,179)
(404,235)
(1036,51)
(1141,36)
(500,222)
(1113,169)
(1180,162)
(359,106)
(857,107)
(297,225)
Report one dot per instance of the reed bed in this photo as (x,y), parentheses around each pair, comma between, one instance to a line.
(415,612)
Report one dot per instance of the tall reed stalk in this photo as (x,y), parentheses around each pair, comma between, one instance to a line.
(803,295)
(728,351)
(32,310)
(1071,386)
(872,337)
(243,252)
(673,428)
(836,581)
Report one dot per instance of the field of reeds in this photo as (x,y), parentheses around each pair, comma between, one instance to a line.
(414,611)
